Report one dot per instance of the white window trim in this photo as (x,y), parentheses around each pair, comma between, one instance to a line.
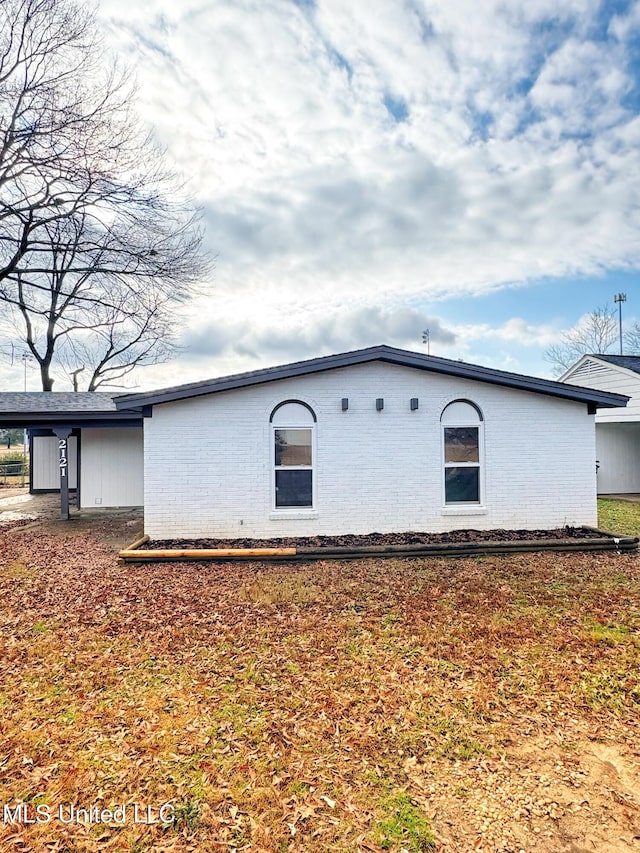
(463,507)
(293,511)
(287,513)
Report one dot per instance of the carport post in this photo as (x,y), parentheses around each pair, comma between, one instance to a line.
(63,434)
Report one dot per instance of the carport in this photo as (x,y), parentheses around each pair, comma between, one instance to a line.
(59,424)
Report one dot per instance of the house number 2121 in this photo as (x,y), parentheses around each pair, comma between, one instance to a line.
(62,446)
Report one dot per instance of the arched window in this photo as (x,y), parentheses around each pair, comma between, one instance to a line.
(293,451)
(462,424)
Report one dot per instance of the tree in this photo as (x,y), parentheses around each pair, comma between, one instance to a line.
(98,245)
(11,437)
(632,339)
(597,332)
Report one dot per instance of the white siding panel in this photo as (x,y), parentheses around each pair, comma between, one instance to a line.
(111,469)
(618,453)
(375,470)
(617,429)
(44,462)
(617,381)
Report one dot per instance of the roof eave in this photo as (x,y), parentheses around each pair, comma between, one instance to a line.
(380,353)
(25,419)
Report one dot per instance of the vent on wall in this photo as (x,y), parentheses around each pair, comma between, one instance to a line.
(589,368)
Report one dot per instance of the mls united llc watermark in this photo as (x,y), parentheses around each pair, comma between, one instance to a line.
(71,813)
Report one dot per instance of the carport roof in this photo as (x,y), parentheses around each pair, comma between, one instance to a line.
(30,408)
(391,355)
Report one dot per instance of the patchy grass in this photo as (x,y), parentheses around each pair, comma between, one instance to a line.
(404,825)
(396,704)
(619,516)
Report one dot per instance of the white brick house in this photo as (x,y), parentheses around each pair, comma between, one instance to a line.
(618,428)
(379,439)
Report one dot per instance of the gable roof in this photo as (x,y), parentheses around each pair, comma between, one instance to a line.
(594,364)
(630,362)
(390,355)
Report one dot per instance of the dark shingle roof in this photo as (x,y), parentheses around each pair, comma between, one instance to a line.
(56,401)
(631,362)
(391,355)
(45,407)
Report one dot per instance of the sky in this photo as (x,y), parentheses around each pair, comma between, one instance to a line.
(368,169)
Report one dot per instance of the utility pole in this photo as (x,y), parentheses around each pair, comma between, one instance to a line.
(619,298)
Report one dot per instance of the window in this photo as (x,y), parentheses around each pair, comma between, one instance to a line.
(462,452)
(292,439)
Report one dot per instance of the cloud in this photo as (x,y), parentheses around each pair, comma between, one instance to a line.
(339,331)
(281,116)
(513,331)
(220,346)
(399,157)
(625,26)
(583,83)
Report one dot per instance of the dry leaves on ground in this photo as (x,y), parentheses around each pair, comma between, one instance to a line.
(458,705)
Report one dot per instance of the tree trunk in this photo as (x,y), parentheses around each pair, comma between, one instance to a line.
(47,381)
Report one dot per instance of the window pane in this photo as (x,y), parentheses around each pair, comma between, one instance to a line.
(294,488)
(461,444)
(462,485)
(293,446)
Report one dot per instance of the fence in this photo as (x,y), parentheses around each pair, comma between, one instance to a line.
(14,472)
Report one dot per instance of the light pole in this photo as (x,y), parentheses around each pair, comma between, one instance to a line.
(619,298)
(25,358)
(425,340)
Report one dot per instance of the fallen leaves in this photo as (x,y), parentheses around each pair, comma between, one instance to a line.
(319,707)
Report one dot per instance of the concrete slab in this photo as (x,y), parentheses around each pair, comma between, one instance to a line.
(16,500)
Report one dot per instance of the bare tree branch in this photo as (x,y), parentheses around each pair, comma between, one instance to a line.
(632,339)
(98,245)
(596,333)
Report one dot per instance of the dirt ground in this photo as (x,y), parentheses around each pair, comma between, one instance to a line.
(383,539)
(487,705)
(112,527)
(542,795)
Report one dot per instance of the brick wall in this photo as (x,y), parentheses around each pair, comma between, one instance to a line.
(208,468)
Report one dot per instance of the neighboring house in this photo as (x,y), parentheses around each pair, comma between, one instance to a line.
(379,439)
(80,442)
(618,428)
